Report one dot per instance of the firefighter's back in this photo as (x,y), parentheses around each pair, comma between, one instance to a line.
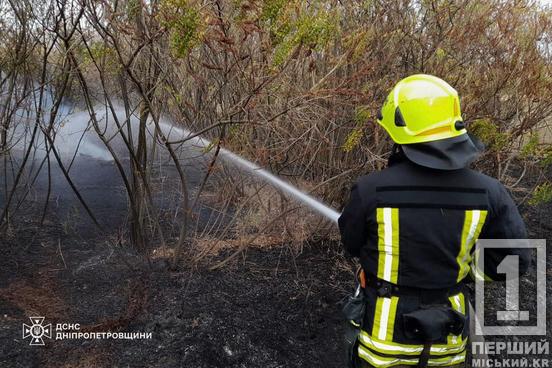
(423,222)
(414,226)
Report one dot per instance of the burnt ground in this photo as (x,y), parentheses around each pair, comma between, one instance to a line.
(268,308)
(271,308)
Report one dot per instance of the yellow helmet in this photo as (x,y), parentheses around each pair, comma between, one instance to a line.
(422,108)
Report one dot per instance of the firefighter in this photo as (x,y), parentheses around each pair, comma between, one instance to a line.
(414,225)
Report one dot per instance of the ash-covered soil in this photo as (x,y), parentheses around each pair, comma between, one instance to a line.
(267,308)
(271,308)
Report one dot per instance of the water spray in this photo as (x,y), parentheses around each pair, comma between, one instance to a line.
(258,171)
(70,137)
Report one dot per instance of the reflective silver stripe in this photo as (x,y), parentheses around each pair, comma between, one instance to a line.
(402,348)
(380,361)
(384,319)
(473,226)
(375,360)
(388,241)
(473,223)
(367,340)
(456,306)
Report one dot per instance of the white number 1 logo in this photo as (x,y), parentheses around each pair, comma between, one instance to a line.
(510,267)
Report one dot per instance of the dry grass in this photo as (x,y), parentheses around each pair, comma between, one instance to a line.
(40,299)
(263,217)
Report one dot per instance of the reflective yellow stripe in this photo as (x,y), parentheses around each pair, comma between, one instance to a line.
(394,348)
(473,222)
(476,272)
(384,361)
(384,318)
(440,362)
(458,304)
(388,243)
(379,361)
(391,320)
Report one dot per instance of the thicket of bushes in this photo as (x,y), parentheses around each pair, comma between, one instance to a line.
(293,85)
(305,79)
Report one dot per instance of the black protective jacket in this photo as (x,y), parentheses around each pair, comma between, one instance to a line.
(416,227)
(437,212)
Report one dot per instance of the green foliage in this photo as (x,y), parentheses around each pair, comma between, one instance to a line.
(281,53)
(367,5)
(183,20)
(362,114)
(547,156)
(440,53)
(541,194)
(272,10)
(357,43)
(489,134)
(540,152)
(531,147)
(100,50)
(101,53)
(353,139)
(316,31)
(291,24)
(132,8)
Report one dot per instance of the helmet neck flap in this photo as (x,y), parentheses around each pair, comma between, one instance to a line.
(444,154)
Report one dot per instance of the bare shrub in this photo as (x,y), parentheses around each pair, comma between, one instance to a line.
(292,85)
